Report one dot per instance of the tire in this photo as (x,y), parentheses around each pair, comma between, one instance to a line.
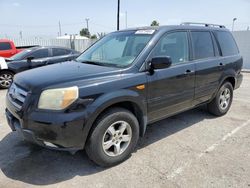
(220,105)
(102,145)
(6,78)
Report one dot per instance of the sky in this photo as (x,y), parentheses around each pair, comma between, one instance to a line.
(40,18)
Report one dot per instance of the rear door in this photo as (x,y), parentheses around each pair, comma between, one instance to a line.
(208,65)
(171,90)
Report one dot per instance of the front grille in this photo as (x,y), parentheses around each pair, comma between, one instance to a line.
(17,96)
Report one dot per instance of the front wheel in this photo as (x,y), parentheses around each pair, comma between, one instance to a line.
(223,100)
(6,78)
(114,137)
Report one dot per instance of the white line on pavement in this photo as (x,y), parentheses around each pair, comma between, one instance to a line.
(211,148)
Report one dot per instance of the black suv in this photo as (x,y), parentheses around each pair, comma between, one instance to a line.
(105,99)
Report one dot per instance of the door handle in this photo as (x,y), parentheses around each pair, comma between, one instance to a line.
(189,71)
(221,66)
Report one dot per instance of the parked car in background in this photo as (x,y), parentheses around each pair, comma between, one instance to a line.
(32,58)
(8,48)
(104,100)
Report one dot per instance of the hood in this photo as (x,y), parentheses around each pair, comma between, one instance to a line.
(61,73)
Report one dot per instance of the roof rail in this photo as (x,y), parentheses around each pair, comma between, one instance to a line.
(204,24)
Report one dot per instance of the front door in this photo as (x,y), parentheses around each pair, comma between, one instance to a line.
(171,90)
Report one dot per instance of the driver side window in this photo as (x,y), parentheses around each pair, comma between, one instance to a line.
(174,45)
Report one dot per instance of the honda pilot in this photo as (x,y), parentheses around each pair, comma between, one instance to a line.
(104,100)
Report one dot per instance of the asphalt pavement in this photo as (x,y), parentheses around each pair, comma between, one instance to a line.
(192,149)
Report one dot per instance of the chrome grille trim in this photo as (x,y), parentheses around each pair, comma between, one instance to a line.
(17,96)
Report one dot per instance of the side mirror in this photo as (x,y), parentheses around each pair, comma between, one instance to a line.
(160,62)
(30,58)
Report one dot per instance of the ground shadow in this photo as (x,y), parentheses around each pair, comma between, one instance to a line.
(39,166)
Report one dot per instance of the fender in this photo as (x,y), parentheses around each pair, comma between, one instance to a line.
(109,99)
(230,73)
(3,64)
(227,74)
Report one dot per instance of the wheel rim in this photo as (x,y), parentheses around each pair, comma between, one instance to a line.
(117,138)
(6,80)
(225,98)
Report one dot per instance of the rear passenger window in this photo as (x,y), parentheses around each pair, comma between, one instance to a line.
(43,53)
(5,46)
(174,45)
(202,44)
(227,43)
(60,52)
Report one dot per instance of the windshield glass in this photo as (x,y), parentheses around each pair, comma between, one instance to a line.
(117,49)
(21,55)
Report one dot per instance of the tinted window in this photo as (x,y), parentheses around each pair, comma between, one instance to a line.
(60,52)
(174,45)
(5,46)
(227,43)
(202,45)
(40,53)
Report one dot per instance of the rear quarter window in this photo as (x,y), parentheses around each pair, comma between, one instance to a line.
(42,53)
(5,46)
(227,43)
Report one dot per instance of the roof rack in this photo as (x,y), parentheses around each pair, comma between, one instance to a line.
(204,24)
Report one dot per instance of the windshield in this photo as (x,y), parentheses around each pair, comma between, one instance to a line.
(117,49)
(21,55)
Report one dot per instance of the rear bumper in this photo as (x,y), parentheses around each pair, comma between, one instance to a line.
(239,80)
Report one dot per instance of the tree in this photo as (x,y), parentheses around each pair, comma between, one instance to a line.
(155,23)
(85,32)
(93,36)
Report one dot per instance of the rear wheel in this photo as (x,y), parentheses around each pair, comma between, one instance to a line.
(6,78)
(114,137)
(223,100)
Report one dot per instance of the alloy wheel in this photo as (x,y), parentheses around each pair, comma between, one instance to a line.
(225,98)
(6,80)
(117,138)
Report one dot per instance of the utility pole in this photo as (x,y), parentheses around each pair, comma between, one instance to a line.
(21,34)
(233,24)
(118,16)
(60,29)
(126,19)
(87,22)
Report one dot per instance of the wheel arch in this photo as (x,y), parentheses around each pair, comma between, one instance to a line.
(230,78)
(7,70)
(131,103)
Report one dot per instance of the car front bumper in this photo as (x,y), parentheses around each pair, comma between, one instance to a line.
(60,131)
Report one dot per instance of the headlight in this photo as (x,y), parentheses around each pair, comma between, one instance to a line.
(58,99)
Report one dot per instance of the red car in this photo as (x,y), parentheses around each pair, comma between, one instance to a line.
(8,48)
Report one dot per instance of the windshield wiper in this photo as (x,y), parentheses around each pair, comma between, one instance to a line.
(99,63)
(93,63)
